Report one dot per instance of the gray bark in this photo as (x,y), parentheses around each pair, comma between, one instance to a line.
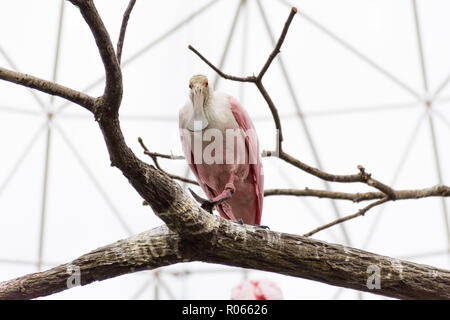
(224,242)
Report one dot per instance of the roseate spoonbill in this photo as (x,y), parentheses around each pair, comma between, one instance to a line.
(221,147)
(256,290)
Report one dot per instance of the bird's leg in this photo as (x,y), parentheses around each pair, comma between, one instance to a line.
(206,204)
(226,194)
(228,190)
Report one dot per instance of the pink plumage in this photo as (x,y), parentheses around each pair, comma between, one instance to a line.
(244,122)
(234,187)
(257,290)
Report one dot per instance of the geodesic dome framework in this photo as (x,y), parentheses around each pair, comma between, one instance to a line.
(362,86)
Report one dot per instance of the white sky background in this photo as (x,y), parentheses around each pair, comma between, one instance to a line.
(355,113)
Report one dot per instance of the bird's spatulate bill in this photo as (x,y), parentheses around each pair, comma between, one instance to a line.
(198,122)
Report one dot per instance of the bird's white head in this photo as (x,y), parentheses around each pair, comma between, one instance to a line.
(198,83)
(199,96)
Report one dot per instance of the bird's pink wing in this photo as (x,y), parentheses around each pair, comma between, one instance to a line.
(190,160)
(210,193)
(251,141)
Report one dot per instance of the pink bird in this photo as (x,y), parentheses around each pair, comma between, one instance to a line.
(256,290)
(221,147)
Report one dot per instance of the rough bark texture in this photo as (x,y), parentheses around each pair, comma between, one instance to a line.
(144,251)
(222,241)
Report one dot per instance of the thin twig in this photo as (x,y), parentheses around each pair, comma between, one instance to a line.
(435,191)
(165,156)
(386,192)
(366,177)
(258,80)
(354,197)
(126,17)
(155,155)
(222,74)
(360,212)
(275,115)
(180,178)
(362,176)
(277,48)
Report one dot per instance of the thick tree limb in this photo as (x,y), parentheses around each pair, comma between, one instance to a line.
(258,79)
(225,242)
(148,250)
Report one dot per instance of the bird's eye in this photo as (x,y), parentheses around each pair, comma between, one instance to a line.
(206,83)
(190,85)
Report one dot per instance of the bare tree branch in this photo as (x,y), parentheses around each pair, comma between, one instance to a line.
(47,87)
(362,176)
(155,155)
(223,75)
(360,212)
(277,48)
(145,251)
(229,243)
(193,234)
(386,192)
(436,191)
(126,17)
(258,80)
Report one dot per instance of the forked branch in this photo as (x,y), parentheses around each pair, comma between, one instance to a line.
(386,193)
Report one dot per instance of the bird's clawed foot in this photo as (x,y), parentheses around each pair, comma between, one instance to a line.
(206,204)
(240,221)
